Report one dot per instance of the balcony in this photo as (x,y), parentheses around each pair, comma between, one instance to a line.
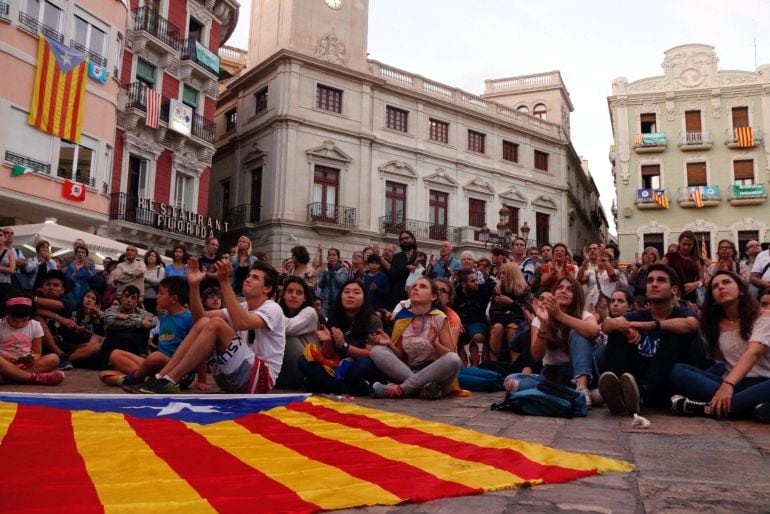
(83,179)
(654,142)
(130,209)
(651,199)
(137,100)
(685,196)
(154,31)
(755,194)
(28,163)
(31,24)
(193,50)
(203,128)
(330,219)
(243,214)
(422,230)
(743,137)
(695,140)
(4,8)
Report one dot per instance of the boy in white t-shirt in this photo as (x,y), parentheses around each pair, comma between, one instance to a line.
(243,343)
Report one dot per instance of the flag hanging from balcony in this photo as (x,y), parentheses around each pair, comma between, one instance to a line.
(74,191)
(58,96)
(696,196)
(660,198)
(153,108)
(744,136)
(638,141)
(19,170)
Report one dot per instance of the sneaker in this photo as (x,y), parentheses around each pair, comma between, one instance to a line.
(160,386)
(596,398)
(49,379)
(630,393)
(112,378)
(432,391)
(611,392)
(762,412)
(686,407)
(64,362)
(186,380)
(586,393)
(380,390)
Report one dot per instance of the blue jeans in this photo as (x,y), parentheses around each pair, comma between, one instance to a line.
(361,373)
(581,352)
(701,385)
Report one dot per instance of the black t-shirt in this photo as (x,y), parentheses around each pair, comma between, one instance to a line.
(651,338)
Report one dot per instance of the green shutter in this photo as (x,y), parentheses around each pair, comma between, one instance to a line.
(190,97)
(145,72)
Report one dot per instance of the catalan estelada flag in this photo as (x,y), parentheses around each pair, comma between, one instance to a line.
(660,198)
(697,196)
(744,136)
(58,96)
(223,453)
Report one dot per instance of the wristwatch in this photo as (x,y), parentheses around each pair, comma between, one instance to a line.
(345,346)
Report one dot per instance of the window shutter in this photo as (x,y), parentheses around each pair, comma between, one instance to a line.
(651,170)
(696,174)
(743,169)
(145,71)
(190,97)
(740,116)
(692,121)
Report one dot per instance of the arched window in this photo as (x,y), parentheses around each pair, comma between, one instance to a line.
(523,108)
(539,111)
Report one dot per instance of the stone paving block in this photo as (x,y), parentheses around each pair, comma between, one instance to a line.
(608,448)
(664,423)
(668,496)
(579,496)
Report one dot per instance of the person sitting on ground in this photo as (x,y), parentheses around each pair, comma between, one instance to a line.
(620,303)
(21,359)
(54,311)
(420,356)
(506,309)
(242,344)
(377,283)
(561,336)
(644,345)
(738,333)
(471,300)
(173,327)
(764,299)
(126,326)
(211,298)
(446,298)
(343,365)
(82,345)
(301,326)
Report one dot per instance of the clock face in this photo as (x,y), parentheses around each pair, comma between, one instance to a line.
(334,4)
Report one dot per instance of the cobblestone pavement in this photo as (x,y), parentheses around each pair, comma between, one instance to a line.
(685,464)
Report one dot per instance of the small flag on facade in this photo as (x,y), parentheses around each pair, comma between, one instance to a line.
(638,140)
(97,72)
(744,136)
(660,198)
(153,108)
(696,196)
(74,191)
(19,170)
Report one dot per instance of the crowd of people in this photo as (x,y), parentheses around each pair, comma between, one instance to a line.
(675,330)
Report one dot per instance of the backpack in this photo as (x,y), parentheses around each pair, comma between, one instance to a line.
(547,399)
(480,380)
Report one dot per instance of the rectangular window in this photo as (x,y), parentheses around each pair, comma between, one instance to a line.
(656,241)
(225,198)
(43,16)
(395,205)
(256,195)
(107,169)
(231,118)
(26,145)
(743,172)
(438,204)
(260,98)
(541,160)
(184,189)
(328,99)
(190,97)
(692,121)
(91,39)
(510,151)
(325,187)
(648,124)
(696,174)
(513,219)
(477,212)
(744,236)
(77,161)
(740,117)
(396,119)
(145,72)
(438,131)
(476,141)
(651,176)
(542,228)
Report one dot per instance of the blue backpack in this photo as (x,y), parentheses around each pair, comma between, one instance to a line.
(547,399)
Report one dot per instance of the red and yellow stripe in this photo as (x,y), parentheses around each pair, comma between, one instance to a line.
(57,98)
(309,456)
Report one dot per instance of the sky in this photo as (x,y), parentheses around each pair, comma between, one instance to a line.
(462,43)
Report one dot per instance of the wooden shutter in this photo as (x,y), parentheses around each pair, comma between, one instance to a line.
(740,117)
(743,169)
(651,170)
(692,121)
(696,173)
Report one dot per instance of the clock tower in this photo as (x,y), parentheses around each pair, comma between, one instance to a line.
(332,30)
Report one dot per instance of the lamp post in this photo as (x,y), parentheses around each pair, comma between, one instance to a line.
(525,231)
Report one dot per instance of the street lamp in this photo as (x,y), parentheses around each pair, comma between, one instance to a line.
(525,231)
(484,234)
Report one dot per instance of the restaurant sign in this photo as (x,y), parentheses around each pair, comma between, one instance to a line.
(173,219)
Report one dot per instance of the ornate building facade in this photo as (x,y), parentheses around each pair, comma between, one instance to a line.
(689,152)
(318,144)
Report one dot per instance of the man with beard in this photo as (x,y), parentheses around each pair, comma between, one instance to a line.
(404,262)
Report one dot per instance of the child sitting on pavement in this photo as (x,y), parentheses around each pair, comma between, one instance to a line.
(127,327)
(21,343)
(174,325)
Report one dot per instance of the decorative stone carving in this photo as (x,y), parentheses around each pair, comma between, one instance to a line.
(254,157)
(545,202)
(690,66)
(331,49)
(716,103)
(619,86)
(735,78)
(441,178)
(329,151)
(514,197)
(650,84)
(479,186)
(691,105)
(670,109)
(700,225)
(398,168)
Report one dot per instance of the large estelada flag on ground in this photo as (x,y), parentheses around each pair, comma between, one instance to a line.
(251,454)
(58,96)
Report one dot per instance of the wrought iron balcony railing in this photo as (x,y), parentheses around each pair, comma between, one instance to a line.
(651,139)
(331,213)
(190,52)
(652,196)
(32,24)
(242,214)
(150,21)
(695,138)
(755,134)
(203,128)
(27,162)
(708,193)
(4,8)
(96,57)
(421,229)
(89,181)
(137,99)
